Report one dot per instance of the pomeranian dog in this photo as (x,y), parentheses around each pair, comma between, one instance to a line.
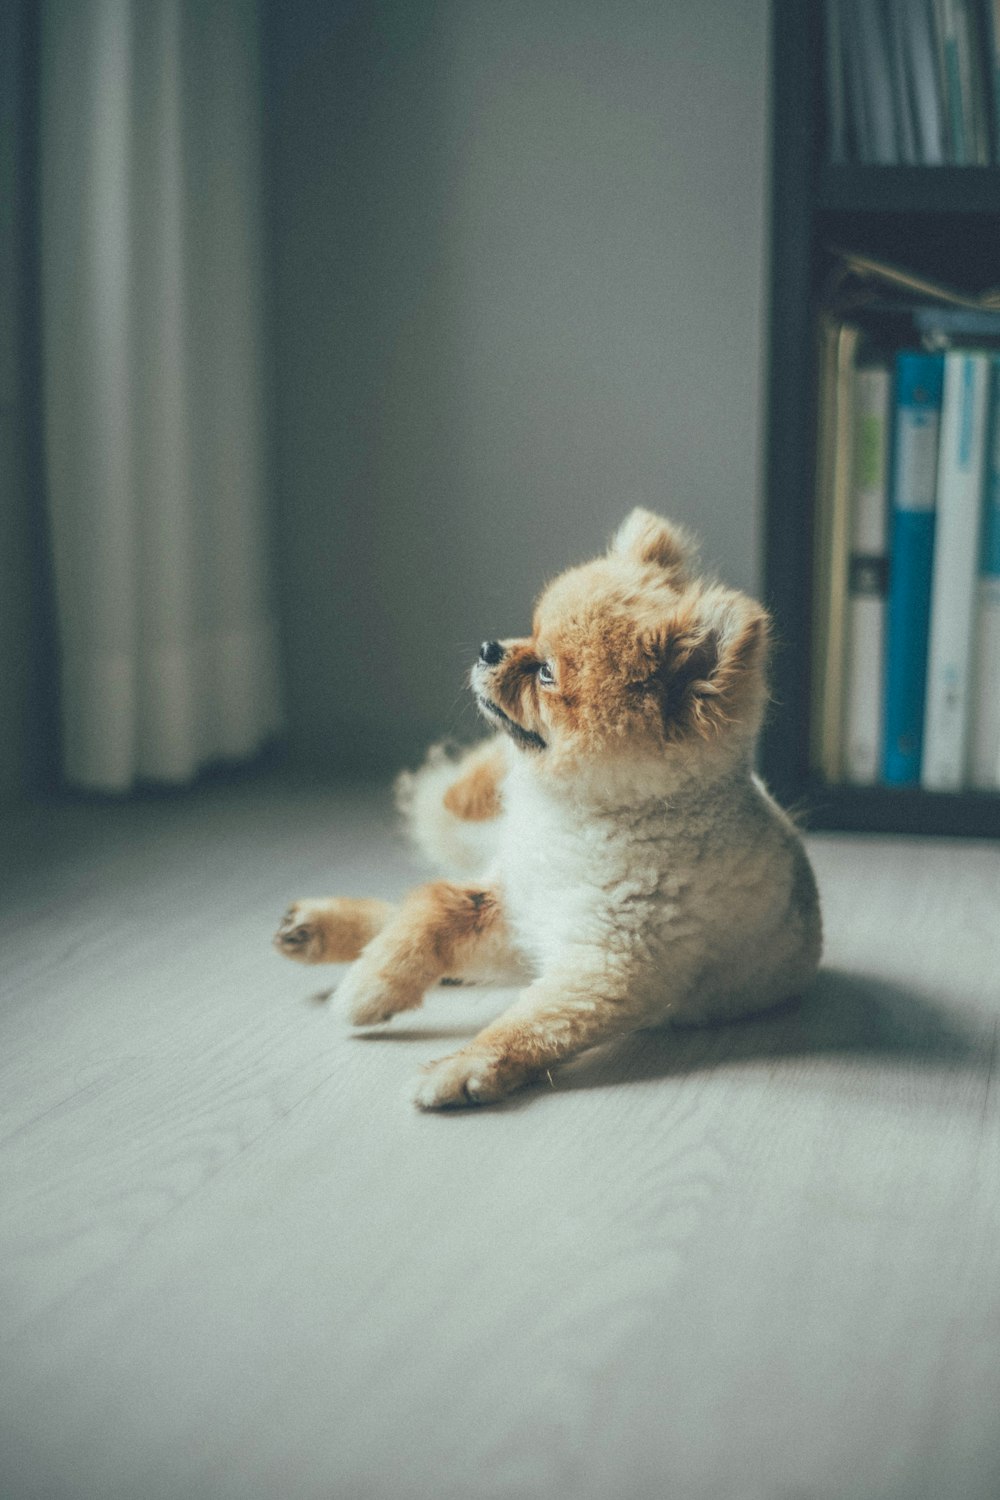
(611,849)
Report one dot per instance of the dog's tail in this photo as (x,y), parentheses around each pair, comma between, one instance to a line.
(451,805)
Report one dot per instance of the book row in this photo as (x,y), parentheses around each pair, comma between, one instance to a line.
(913,82)
(907,629)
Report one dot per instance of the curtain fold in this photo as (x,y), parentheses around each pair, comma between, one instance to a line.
(153,380)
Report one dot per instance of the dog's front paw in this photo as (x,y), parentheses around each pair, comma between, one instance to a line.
(300,934)
(467,1078)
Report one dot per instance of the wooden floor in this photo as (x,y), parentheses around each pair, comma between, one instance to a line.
(761,1261)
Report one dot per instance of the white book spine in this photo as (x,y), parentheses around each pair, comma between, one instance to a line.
(984,761)
(868,566)
(961,464)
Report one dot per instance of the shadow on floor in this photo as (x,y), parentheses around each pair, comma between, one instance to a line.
(843,1014)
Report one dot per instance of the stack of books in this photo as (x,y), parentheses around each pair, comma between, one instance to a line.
(906,644)
(913,82)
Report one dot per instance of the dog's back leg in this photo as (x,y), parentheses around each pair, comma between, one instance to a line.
(444,796)
(330,930)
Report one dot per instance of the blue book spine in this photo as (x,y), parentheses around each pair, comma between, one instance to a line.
(913,488)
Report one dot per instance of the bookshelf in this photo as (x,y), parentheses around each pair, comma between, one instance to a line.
(941,221)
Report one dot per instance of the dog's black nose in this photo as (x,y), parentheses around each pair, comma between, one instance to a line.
(490,652)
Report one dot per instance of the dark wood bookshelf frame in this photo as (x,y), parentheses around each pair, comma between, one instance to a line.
(917,215)
(908,190)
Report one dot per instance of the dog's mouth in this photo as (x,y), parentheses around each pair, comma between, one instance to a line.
(521,736)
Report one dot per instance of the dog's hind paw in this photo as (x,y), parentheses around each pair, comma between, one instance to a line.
(329,930)
(300,935)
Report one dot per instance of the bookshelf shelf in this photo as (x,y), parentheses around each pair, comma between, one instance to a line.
(943,222)
(900,810)
(908,190)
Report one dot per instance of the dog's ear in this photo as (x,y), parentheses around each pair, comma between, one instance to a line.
(706,663)
(649,539)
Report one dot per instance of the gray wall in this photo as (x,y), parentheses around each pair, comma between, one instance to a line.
(519,287)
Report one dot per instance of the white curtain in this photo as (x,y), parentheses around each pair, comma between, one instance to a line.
(154,419)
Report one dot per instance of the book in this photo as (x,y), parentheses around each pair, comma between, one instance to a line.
(951,72)
(961,457)
(991,65)
(859,129)
(860,282)
(897,26)
(836,105)
(868,573)
(980,68)
(940,325)
(964,82)
(914,22)
(838,347)
(913,482)
(984,760)
(870,56)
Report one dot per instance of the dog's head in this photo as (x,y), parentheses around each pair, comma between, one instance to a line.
(632,657)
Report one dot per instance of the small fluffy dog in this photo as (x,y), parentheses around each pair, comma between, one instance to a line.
(630,867)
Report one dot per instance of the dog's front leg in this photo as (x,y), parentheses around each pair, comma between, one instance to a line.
(556,1017)
(441,929)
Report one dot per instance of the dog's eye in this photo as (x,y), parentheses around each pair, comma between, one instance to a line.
(545,675)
